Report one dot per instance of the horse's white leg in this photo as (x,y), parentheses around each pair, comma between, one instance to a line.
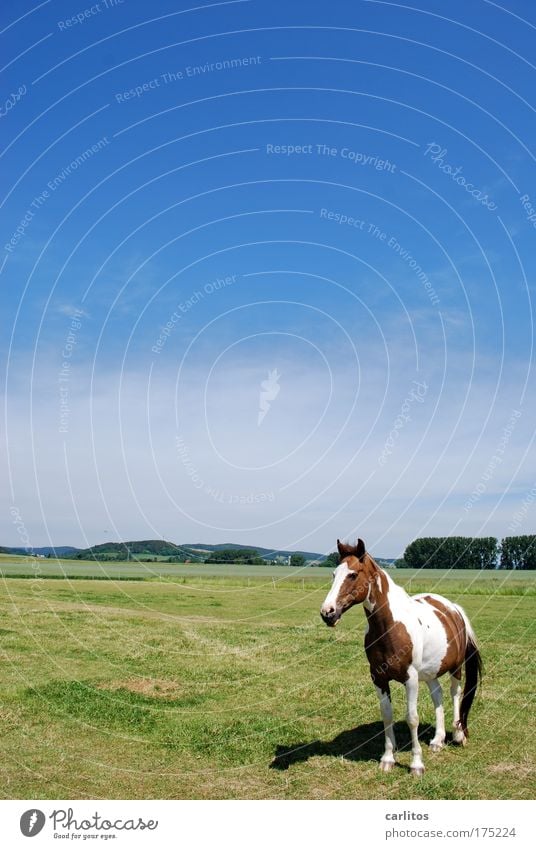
(412,693)
(456,692)
(437,697)
(388,758)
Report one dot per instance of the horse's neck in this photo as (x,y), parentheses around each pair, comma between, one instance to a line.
(383,595)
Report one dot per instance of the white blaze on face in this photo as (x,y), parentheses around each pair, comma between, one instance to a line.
(339,575)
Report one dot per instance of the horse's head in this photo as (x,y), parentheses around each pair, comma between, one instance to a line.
(351,581)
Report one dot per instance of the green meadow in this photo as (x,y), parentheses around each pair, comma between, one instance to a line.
(222,682)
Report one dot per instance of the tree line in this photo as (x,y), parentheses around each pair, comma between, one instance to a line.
(463,553)
(245,556)
(517,552)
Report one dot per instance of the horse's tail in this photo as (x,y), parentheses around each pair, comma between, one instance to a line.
(473,672)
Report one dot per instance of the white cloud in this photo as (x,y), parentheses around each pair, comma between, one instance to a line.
(71,310)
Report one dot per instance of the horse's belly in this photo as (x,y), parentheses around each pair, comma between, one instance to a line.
(434,648)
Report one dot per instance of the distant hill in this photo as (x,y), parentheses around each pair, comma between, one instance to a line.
(386,562)
(267,553)
(159,548)
(58,551)
(144,549)
(134,549)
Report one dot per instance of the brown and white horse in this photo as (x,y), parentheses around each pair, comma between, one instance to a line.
(408,639)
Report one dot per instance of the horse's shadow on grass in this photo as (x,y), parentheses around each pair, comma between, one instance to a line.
(364,743)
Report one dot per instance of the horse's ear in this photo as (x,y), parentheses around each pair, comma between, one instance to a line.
(357,550)
(344,550)
(360,549)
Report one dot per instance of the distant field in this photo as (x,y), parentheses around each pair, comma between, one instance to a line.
(511,582)
(43,567)
(231,687)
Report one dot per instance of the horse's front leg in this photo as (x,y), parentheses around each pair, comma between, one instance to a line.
(412,693)
(388,758)
(437,697)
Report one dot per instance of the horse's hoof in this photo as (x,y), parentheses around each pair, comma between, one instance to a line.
(417,771)
(436,747)
(460,739)
(386,766)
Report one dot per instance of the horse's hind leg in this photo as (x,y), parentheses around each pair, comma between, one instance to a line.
(388,758)
(437,697)
(456,692)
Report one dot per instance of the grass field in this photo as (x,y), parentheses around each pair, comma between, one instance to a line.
(195,686)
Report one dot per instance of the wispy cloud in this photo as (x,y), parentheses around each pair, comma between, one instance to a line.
(71,310)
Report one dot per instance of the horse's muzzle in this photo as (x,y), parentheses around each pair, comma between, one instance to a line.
(330,617)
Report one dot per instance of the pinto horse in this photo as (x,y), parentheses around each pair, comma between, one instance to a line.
(408,639)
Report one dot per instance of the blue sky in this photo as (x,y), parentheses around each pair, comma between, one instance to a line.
(339,195)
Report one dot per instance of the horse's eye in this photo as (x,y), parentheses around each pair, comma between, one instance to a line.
(353,575)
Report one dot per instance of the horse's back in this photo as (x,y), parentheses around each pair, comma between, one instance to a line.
(446,601)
